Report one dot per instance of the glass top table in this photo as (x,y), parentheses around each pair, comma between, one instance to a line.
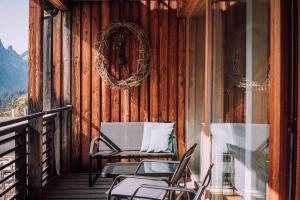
(156,169)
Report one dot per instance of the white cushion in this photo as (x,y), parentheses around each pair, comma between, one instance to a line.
(160,140)
(148,126)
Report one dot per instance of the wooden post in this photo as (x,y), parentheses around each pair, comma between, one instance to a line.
(21,164)
(66,124)
(47,64)
(35,99)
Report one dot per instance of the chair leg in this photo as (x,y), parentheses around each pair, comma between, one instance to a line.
(91,172)
(99,170)
(99,164)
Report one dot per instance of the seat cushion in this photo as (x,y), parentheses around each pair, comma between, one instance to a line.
(128,186)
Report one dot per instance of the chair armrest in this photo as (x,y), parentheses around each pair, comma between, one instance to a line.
(166,188)
(157,161)
(93,144)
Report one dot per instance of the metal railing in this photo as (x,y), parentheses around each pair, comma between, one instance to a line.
(14,153)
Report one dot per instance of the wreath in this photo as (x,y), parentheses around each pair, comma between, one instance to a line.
(238,78)
(143,60)
(234,69)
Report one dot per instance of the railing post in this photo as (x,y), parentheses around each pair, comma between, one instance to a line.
(35,158)
(35,99)
(21,164)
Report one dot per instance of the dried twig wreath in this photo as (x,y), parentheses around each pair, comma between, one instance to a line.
(143,61)
(235,74)
(234,70)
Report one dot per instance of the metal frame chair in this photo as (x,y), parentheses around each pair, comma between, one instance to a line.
(106,146)
(197,194)
(161,182)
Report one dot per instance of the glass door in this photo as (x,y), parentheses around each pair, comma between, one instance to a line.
(195,38)
(239,129)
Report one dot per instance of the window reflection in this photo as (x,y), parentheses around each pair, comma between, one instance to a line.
(239,98)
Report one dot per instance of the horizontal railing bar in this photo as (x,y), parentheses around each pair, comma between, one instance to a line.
(46,159)
(21,119)
(47,141)
(9,139)
(16,195)
(47,132)
(10,175)
(68,107)
(46,151)
(13,128)
(12,162)
(21,125)
(45,169)
(10,150)
(45,178)
(12,186)
(18,126)
(35,115)
(48,118)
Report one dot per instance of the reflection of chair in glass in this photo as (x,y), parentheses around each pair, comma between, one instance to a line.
(259,161)
(247,144)
(228,171)
(132,185)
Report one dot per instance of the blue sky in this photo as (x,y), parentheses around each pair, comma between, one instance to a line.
(14,24)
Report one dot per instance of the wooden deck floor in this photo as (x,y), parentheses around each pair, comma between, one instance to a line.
(75,186)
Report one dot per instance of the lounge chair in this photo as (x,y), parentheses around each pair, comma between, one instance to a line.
(125,186)
(197,194)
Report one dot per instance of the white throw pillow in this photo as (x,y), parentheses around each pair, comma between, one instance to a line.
(148,126)
(161,140)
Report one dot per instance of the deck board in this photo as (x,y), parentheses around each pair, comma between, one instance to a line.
(75,186)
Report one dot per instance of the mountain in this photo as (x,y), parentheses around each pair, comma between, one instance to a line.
(25,55)
(13,69)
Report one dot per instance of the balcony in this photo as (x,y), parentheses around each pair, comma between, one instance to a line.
(220,70)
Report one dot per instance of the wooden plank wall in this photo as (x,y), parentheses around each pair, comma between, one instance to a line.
(160,98)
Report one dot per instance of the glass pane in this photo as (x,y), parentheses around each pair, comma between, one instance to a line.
(195,87)
(239,107)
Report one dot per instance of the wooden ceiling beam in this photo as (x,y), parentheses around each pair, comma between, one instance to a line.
(60,4)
